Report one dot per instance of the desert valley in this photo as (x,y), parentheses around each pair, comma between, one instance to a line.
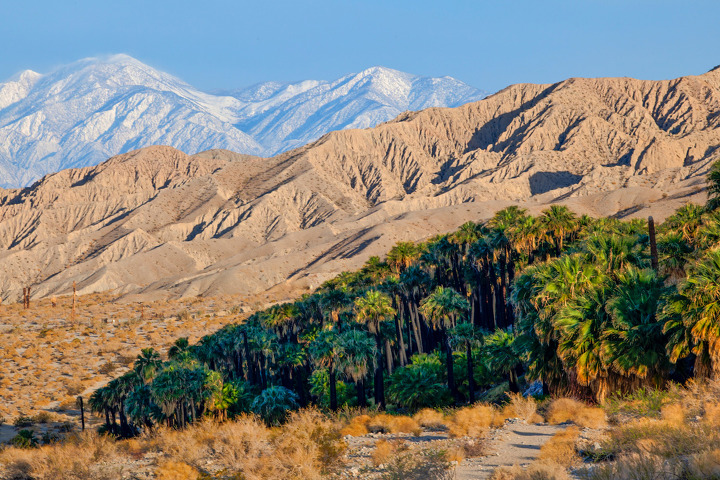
(337,280)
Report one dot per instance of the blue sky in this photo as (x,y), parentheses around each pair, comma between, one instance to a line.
(489,44)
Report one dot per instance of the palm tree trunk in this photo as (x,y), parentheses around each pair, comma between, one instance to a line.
(401,342)
(379,385)
(388,357)
(471,373)
(513,381)
(333,388)
(450,370)
(416,328)
(360,390)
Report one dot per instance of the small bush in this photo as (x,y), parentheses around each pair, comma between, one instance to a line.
(24,439)
(357,426)
(44,417)
(429,418)
(383,423)
(533,472)
(423,465)
(23,422)
(176,471)
(474,447)
(563,410)
(472,421)
(560,449)
(382,452)
(524,408)
(673,413)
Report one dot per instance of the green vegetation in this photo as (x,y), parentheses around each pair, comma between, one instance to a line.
(572,301)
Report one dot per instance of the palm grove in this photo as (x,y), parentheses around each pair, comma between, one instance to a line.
(589,307)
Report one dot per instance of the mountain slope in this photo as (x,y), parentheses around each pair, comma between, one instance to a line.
(90,110)
(159,222)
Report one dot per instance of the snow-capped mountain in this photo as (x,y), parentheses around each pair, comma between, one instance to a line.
(85,112)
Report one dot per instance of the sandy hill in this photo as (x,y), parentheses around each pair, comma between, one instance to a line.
(157,222)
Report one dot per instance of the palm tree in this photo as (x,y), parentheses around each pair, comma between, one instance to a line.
(504,357)
(333,301)
(372,309)
(673,253)
(147,364)
(326,350)
(700,294)
(358,357)
(180,349)
(442,308)
(560,222)
(401,256)
(467,335)
(634,345)
(687,219)
(581,325)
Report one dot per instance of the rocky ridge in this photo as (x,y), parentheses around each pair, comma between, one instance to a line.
(157,222)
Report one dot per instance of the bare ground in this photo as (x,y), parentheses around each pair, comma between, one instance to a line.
(514,444)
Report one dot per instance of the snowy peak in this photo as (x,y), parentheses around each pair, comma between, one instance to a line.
(84,112)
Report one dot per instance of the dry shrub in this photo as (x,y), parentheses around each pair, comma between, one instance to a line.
(455,454)
(705,465)
(383,452)
(473,421)
(633,467)
(534,472)
(560,449)
(133,447)
(673,413)
(474,447)
(86,456)
(662,438)
(563,410)
(429,418)
(357,426)
(309,443)
(393,424)
(305,447)
(524,408)
(176,471)
(419,465)
(238,446)
(712,413)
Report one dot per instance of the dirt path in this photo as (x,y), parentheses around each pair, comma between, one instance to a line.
(514,444)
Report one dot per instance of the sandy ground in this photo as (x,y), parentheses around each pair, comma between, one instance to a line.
(514,444)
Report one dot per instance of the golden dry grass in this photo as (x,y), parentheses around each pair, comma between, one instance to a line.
(429,418)
(563,410)
(357,426)
(306,448)
(474,421)
(383,452)
(383,423)
(533,472)
(176,471)
(524,408)
(560,449)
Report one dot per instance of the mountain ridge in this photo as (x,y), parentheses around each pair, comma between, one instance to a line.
(87,111)
(157,222)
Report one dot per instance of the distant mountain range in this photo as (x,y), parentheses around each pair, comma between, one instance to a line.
(83,113)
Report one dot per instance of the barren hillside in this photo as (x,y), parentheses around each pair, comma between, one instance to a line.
(156,222)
